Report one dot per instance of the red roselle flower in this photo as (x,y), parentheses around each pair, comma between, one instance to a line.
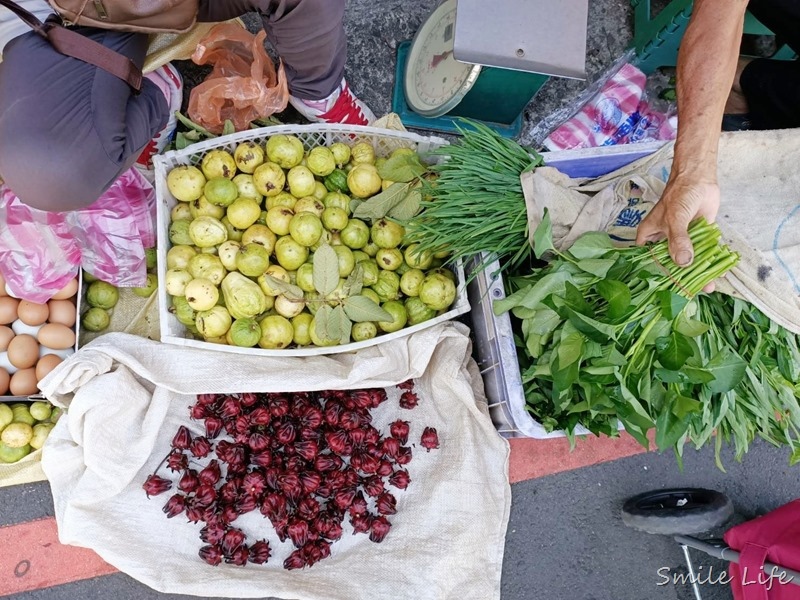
(358,437)
(258,442)
(211,554)
(308,449)
(254,483)
(343,498)
(205,495)
(385,468)
(212,534)
(210,474)
(333,412)
(308,508)
(182,438)
(312,418)
(390,447)
(241,425)
(400,479)
(373,486)
(298,532)
(408,400)
(200,447)
(403,456)
(213,427)
(248,399)
(373,435)
(174,506)
(189,481)
(199,411)
(337,441)
(285,433)
(408,384)
(239,556)
(155,485)
(310,481)
(261,459)
(380,527)
(274,506)
(349,420)
(260,416)
(291,486)
(195,513)
(327,462)
(430,439)
(361,523)
(228,514)
(359,505)
(278,406)
(260,552)
(232,540)
(246,504)
(207,398)
(386,504)
(296,560)
(399,430)
(316,551)
(231,408)
(177,461)
(370,464)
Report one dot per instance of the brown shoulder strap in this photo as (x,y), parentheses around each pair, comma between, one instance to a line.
(71,43)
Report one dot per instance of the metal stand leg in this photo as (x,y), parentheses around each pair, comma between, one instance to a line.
(692,576)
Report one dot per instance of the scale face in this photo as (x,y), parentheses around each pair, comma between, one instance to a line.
(435,82)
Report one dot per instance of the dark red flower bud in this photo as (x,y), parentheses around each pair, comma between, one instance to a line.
(430,439)
(386,504)
(174,506)
(298,532)
(361,398)
(323,523)
(241,425)
(403,456)
(229,492)
(210,474)
(254,483)
(335,532)
(213,427)
(313,553)
(359,505)
(408,400)
(228,514)
(390,447)
(308,449)
(246,504)
(373,435)
(207,398)
(189,481)
(349,420)
(312,418)
(205,495)
(350,477)
(333,411)
(260,552)
(408,384)
(337,441)
(295,463)
(384,468)
(361,523)
(232,540)
(291,486)
(182,438)
(380,527)
(231,408)
(200,447)
(308,508)
(296,560)
(248,399)
(195,513)
(336,480)
(324,491)
(310,481)
(199,411)
(261,459)
(260,416)
(358,437)
(400,479)
(278,406)
(343,498)
(271,476)
(211,554)
(177,461)
(371,464)
(356,459)
(281,529)
(373,486)
(285,433)
(239,556)
(399,430)
(327,462)
(212,534)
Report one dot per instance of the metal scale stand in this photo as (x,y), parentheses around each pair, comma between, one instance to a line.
(486,60)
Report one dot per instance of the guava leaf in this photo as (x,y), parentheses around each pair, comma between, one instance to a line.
(402,168)
(355,203)
(343,324)
(379,205)
(325,325)
(292,292)
(361,308)
(326,269)
(543,236)
(408,206)
(354,282)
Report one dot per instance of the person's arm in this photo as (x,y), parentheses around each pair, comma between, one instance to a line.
(706,66)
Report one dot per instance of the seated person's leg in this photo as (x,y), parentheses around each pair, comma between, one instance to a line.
(69,129)
(772,91)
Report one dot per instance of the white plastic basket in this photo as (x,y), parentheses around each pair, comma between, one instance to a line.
(383,140)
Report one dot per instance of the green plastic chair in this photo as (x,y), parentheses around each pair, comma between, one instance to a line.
(656,40)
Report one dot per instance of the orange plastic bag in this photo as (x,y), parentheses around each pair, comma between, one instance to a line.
(243,85)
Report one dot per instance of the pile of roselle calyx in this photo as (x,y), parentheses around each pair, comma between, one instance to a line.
(306,460)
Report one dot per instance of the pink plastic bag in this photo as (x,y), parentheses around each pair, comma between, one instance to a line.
(618,114)
(40,252)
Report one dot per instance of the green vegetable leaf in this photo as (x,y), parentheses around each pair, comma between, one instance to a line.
(326,270)
(728,370)
(550,284)
(596,266)
(543,236)
(402,168)
(594,330)
(618,296)
(689,327)
(228,128)
(593,244)
(292,292)
(379,205)
(671,304)
(343,324)
(794,459)
(408,206)
(673,350)
(570,349)
(573,298)
(325,326)
(361,308)
(564,376)
(544,322)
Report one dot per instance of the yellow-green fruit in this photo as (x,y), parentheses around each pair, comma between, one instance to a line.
(178,257)
(252,260)
(100,294)
(287,307)
(337,200)
(17,434)
(341,153)
(207,232)
(261,235)
(40,433)
(6,415)
(418,311)
(220,191)
(386,234)
(290,254)
(227,253)
(399,316)
(369,271)
(243,212)
(285,150)
(248,155)
(334,219)
(269,179)
(244,333)
(316,340)
(201,294)
(301,181)
(276,332)
(284,199)
(319,190)
(321,161)
(368,293)
(370,249)
(364,181)
(278,219)
(278,273)
(362,153)
(305,277)
(180,308)
(416,259)
(95,319)
(56,414)
(203,208)
(218,163)
(40,410)
(305,228)
(12,455)
(301,325)
(346,260)
(309,204)
(247,187)
(176,281)
(437,291)
(207,266)
(366,330)
(389,258)
(181,210)
(214,322)
(234,233)
(186,183)
(411,282)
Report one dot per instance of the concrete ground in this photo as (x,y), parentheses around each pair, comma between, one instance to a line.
(565,538)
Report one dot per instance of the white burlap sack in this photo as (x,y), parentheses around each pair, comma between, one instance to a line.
(127,396)
(759,215)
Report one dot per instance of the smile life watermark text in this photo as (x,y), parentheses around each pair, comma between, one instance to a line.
(709,576)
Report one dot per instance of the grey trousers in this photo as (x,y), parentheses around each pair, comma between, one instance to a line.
(68,130)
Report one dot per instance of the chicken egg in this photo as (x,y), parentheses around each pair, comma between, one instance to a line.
(6,333)
(5,379)
(8,310)
(46,364)
(56,335)
(23,351)
(31,313)
(23,382)
(62,311)
(68,291)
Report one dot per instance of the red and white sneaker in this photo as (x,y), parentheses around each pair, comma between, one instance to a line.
(170,82)
(340,107)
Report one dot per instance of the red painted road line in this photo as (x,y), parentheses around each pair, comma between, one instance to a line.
(536,458)
(32,558)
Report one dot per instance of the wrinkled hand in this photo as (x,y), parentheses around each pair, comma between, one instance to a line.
(681,203)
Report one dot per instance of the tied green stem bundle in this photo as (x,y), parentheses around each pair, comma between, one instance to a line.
(476,203)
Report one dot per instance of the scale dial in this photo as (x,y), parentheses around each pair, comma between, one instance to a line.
(435,82)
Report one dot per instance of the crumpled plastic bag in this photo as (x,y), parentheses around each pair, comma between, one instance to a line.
(243,85)
(40,252)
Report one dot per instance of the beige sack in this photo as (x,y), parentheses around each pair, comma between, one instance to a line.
(127,396)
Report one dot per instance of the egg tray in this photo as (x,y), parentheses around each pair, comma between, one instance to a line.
(38,397)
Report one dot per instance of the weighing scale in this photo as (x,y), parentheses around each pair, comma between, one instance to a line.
(486,60)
